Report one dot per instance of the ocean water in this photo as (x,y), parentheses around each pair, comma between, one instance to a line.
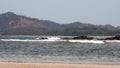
(57,52)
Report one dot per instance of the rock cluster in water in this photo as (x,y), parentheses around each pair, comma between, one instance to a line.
(90,38)
(83,37)
(113,38)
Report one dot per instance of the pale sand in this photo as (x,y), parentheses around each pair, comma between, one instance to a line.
(52,65)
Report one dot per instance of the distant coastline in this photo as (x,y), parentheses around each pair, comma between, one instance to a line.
(13,24)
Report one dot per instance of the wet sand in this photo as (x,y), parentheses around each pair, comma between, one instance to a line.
(52,65)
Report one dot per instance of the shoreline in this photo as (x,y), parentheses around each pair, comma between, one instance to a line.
(52,65)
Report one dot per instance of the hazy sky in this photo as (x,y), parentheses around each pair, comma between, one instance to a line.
(66,11)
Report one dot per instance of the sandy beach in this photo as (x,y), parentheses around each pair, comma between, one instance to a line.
(52,65)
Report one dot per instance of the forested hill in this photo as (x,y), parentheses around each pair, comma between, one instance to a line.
(13,24)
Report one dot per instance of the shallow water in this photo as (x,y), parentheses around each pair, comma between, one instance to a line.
(60,52)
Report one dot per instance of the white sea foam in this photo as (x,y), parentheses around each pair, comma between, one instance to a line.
(53,38)
(34,40)
(112,41)
(16,40)
(87,41)
(57,39)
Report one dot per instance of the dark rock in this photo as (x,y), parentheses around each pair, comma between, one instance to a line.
(67,38)
(44,38)
(83,37)
(113,38)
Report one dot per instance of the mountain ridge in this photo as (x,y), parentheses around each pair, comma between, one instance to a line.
(13,24)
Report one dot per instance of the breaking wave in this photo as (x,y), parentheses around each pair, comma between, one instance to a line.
(57,39)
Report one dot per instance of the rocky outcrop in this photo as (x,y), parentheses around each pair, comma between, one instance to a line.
(113,38)
(83,37)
